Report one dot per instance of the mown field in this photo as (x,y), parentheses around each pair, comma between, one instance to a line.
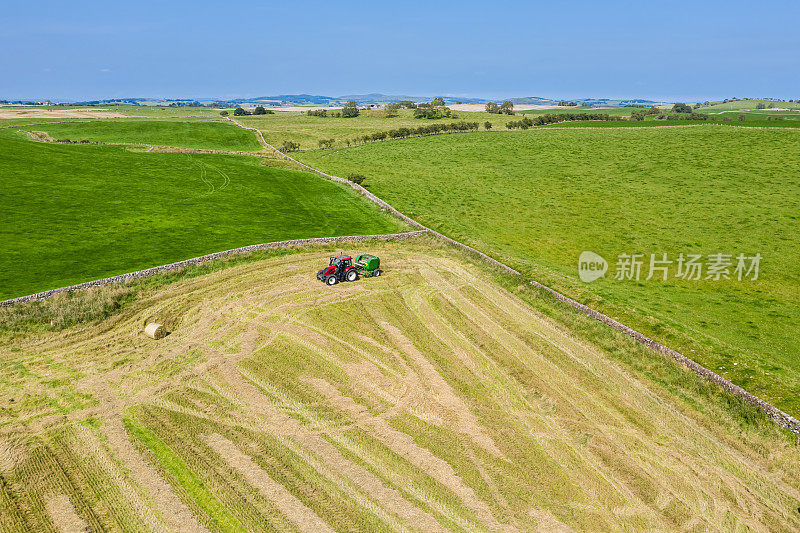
(536,199)
(432,398)
(74,213)
(210,135)
(309,130)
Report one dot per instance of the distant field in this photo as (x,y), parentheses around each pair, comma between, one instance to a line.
(747,104)
(750,121)
(433,398)
(11,122)
(307,131)
(211,135)
(615,111)
(163,111)
(538,198)
(74,213)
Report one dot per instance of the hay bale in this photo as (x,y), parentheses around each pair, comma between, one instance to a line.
(155,331)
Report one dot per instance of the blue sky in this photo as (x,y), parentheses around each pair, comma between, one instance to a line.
(569,49)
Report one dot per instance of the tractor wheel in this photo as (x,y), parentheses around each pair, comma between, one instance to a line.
(377,272)
(331,280)
(352,275)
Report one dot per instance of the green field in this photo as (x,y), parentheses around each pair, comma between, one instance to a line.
(162,111)
(537,199)
(308,130)
(79,212)
(652,122)
(210,135)
(413,401)
(614,111)
(746,104)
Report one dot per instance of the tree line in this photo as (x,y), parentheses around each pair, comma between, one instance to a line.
(398,133)
(552,118)
(506,108)
(405,132)
(680,111)
(240,112)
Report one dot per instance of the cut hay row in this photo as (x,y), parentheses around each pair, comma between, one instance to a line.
(303,517)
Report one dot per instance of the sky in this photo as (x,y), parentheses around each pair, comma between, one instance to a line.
(671,51)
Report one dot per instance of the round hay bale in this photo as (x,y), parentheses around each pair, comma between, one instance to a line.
(155,331)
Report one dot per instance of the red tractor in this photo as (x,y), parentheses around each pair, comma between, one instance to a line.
(340,269)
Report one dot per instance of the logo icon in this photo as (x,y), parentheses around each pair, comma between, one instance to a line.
(591,266)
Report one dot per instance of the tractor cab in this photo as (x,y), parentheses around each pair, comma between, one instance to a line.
(340,268)
(341,262)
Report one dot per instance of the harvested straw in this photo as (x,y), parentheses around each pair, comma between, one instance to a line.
(155,331)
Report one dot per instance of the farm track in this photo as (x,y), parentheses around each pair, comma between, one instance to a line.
(414,401)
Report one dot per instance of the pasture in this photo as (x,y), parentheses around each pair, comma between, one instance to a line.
(163,111)
(434,397)
(309,130)
(739,105)
(614,111)
(184,134)
(73,213)
(536,199)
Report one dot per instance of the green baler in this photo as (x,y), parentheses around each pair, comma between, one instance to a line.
(368,265)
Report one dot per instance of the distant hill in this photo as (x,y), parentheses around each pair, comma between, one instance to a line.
(591,102)
(362,99)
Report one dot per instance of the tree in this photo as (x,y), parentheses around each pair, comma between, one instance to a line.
(223,113)
(681,108)
(437,101)
(507,107)
(761,106)
(487,125)
(289,146)
(391,110)
(492,107)
(356,178)
(260,111)
(407,104)
(427,111)
(239,112)
(742,116)
(350,109)
(638,114)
